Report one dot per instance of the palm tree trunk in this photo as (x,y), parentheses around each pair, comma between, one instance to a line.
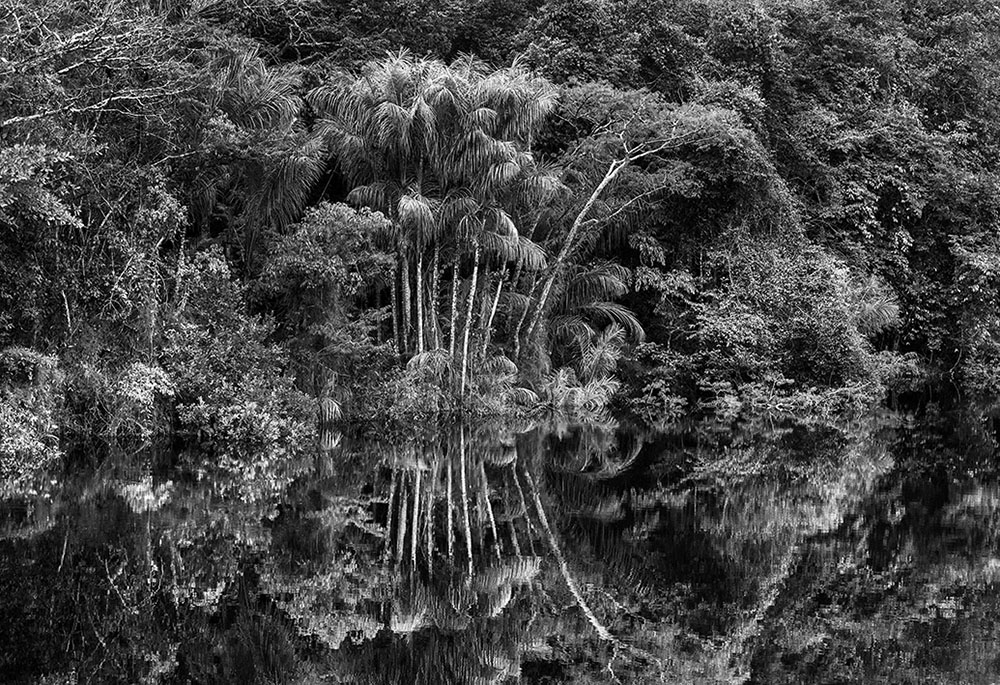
(488,333)
(465,498)
(406,304)
(435,474)
(388,514)
(435,285)
(395,312)
(520,322)
(515,281)
(454,306)
(420,301)
(450,506)
(524,505)
(401,518)
(468,318)
(414,536)
(498,545)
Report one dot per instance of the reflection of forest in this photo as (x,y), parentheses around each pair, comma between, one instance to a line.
(499,554)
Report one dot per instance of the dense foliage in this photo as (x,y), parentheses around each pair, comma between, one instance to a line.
(229,217)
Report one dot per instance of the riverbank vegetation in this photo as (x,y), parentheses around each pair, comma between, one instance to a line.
(236,219)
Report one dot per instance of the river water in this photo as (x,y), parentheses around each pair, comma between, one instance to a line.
(545,552)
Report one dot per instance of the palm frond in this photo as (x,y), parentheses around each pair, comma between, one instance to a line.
(434,362)
(502,223)
(523,396)
(374,195)
(615,313)
(416,215)
(600,356)
(499,365)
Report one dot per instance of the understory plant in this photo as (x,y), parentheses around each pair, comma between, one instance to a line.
(29,396)
(233,391)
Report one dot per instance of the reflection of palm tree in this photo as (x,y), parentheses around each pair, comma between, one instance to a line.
(425,480)
(474,451)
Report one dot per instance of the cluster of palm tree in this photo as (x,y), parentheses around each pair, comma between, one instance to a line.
(444,151)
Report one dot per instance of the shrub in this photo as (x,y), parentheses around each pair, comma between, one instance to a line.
(29,382)
(789,320)
(232,387)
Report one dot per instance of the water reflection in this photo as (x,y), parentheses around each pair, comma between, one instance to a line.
(786,553)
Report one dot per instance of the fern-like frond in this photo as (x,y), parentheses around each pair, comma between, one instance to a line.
(416,216)
(600,356)
(613,312)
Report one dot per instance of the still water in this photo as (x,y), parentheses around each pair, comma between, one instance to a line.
(766,552)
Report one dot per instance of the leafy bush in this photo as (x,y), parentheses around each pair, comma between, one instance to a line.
(133,401)
(788,319)
(24,366)
(656,377)
(27,435)
(320,276)
(29,382)
(232,387)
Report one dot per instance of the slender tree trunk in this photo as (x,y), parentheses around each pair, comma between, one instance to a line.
(401,518)
(420,300)
(465,498)
(520,322)
(388,513)
(513,530)
(599,628)
(434,298)
(488,332)
(454,307)
(435,474)
(515,281)
(613,170)
(395,312)
(406,305)
(450,511)
(498,545)
(527,514)
(415,527)
(468,318)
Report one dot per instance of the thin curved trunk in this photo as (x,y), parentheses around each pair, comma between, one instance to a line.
(599,628)
(513,536)
(613,170)
(468,319)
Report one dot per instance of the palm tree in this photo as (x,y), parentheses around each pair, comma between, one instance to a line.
(443,151)
(267,184)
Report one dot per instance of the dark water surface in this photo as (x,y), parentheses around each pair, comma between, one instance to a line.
(763,553)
